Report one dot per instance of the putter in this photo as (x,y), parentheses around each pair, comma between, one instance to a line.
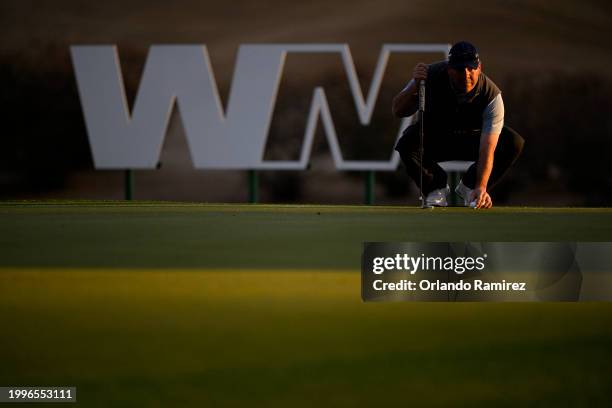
(421,133)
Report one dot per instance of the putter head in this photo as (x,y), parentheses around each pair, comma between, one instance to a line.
(425,205)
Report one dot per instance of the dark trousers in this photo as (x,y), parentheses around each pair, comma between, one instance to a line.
(446,147)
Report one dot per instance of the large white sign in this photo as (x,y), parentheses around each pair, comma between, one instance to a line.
(234,139)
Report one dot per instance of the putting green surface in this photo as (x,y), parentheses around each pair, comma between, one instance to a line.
(261,236)
(191,305)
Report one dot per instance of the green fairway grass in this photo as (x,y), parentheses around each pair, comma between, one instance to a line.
(150,304)
(256,236)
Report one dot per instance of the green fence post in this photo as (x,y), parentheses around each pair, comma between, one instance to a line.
(369,187)
(128,185)
(253,187)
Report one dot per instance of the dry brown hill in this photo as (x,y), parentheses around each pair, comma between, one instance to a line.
(514,35)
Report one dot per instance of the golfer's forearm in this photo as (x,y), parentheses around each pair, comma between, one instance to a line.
(406,102)
(485,161)
(485,166)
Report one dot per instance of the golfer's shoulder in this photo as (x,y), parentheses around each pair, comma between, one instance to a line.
(491,87)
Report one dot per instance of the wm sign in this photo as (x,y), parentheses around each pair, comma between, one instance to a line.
(234,139)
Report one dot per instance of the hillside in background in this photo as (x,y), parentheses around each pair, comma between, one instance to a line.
(551,60)
(512,35)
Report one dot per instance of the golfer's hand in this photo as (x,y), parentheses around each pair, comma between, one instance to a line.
(419,72)
(482,198)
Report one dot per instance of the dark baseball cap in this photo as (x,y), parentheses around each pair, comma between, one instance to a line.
(463,54)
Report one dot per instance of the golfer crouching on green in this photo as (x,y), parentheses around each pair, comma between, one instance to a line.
(463,120)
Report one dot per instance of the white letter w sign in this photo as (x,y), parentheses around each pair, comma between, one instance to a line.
(234,139)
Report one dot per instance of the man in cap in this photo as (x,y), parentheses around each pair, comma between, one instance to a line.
(463,120)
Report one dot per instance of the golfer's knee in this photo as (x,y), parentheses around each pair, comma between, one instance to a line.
(513,141)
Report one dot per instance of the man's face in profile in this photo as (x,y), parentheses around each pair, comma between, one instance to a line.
(464,79)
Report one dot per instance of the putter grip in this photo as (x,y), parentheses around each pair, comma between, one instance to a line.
(422,95)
